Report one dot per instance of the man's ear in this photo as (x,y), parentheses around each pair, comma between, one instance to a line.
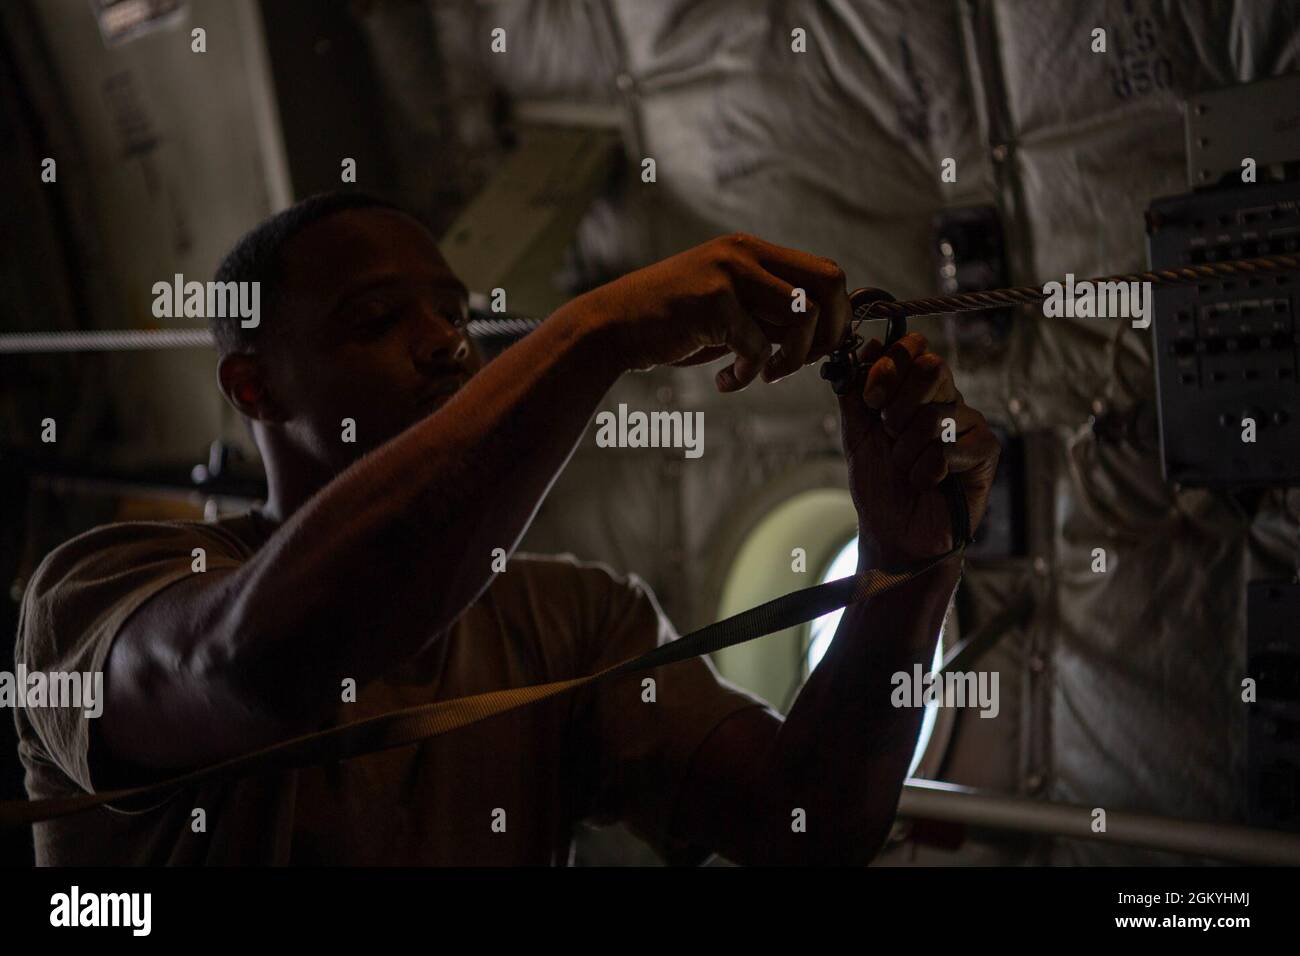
(244,385)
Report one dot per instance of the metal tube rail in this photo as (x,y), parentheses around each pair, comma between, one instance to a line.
(932,800)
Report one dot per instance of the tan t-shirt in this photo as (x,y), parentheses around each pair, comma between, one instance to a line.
(600,753)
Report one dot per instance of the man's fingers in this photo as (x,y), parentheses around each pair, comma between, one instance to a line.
(888,371)
(871,352)
(705,355)
(746,339)
(977,447)
(787,315)
(930,467)
(796,267)
(795,345)
(819,281)
(925,436)
(832,321)
(930,380)
(974,449)
(766,296)
(925,430)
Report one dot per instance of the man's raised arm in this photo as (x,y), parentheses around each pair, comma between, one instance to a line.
(393,550)
(841,754)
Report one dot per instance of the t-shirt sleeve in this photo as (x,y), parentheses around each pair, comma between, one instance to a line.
(642,738)
(73,608)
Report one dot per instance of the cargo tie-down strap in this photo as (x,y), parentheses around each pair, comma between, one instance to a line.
(415,724)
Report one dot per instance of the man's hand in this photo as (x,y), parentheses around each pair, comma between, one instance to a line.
(736,294)
(848,780)
(893,429)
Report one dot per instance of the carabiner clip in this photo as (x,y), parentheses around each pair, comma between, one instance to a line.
(842,368)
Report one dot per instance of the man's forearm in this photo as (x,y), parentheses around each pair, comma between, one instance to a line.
(345,586)
(843,751)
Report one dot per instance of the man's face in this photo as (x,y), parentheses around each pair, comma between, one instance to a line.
(370,326)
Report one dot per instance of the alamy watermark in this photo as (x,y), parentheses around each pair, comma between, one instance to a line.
(651,430)
(1098,300)
(75,689)
(75,908)
(946,689)
(206,300)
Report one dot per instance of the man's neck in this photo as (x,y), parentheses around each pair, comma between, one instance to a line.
(292,478)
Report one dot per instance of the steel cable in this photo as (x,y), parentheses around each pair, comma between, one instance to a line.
(1023,295)
(147,339)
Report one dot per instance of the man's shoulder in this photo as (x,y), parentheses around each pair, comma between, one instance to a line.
(100,575)
(555,575)
(112,548)
(552,594)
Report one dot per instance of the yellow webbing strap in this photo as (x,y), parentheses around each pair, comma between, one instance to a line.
(414,724)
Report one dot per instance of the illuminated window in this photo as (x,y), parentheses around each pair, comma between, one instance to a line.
(823,629)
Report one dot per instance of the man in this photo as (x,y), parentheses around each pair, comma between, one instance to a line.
(371,562)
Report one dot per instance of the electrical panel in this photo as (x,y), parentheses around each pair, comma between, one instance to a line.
(1225,348)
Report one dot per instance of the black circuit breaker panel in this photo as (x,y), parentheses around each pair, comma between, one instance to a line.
(1225,348)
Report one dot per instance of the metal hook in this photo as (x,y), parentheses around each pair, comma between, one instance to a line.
(842,368)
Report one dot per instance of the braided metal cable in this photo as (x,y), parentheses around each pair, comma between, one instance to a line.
(128,340)
(486,328)
(142,339)
(132,340)
(1021,295)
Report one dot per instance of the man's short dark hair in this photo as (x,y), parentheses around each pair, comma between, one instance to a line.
(256,258)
